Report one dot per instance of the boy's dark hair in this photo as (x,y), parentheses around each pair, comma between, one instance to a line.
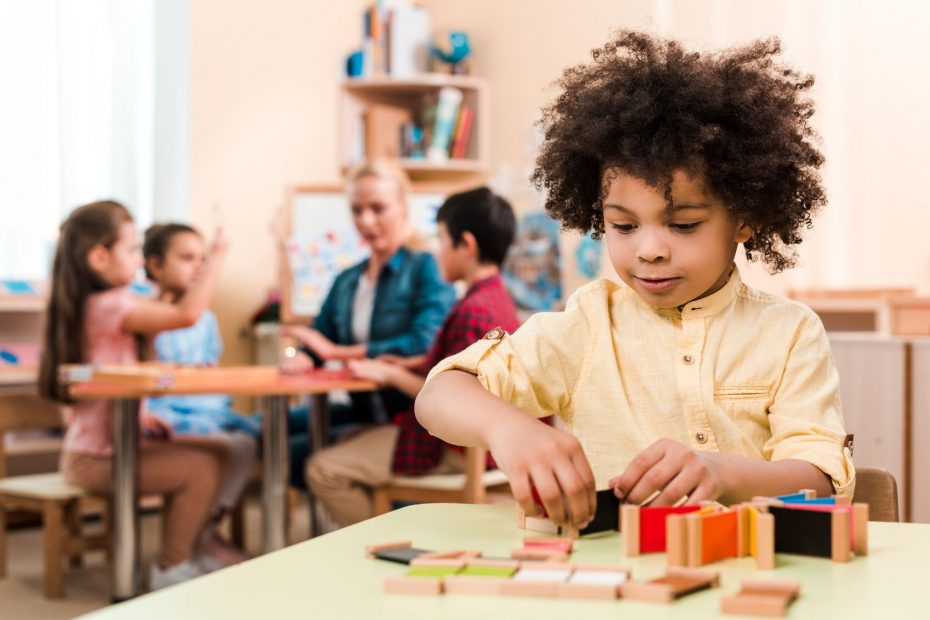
(158,238)
(485,215)
(647,107)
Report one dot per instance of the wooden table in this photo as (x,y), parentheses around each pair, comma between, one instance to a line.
(274,394)
(329,577)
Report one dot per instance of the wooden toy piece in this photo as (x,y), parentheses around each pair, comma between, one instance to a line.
(521,519)
(742,530)
(594,582)
(629,529)
(676,583)
(694,540)
(480,577)
(809,493)
(840,500)
(719,536)
(541,579)
(606,513)
(764,541)
(676,540)
(541,524)
(839,531)
(397,544)
(413,585)
(564,545)
(758,597)
(860,528)
(539,555)
(443,555)
(453,564)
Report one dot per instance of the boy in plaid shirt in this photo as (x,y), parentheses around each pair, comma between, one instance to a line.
(475,230)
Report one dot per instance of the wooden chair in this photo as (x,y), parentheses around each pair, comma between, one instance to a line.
(59,503)
(470,487)
(877,488)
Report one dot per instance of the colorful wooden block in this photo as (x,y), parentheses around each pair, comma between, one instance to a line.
(537,580)
(676,583)
(758,597)
(397,544)
(594,582)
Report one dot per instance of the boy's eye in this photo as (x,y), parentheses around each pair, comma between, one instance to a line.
(624,228)
(685,227)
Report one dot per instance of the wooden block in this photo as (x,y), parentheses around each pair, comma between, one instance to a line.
(809,493)
(538,580)
(413,585)
(762,597)
(652,525)
(676,583)
(437,562)
(842,500)
(629,529)
(442,555)
(839,533)
(676,540)
(484,562)
(539,555)
(695,538)
(553,544)
(765,541)
(471,584)
(397,544)
(594,582)
(719,536)
(860,528)
(521,519)
(541,524)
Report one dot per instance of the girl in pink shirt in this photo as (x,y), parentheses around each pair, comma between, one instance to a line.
(93,318)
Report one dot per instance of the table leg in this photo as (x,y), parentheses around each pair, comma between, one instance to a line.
(125,573)
(275,463)
(319,437)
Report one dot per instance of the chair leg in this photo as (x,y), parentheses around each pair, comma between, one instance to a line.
(165,509)
(381,501)
(53,517)
(106,520)
(73,518)
(237,524)
(2,540)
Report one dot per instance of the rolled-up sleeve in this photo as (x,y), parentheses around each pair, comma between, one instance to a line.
(805,418)
(535,369)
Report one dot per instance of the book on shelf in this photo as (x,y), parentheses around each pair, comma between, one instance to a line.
(447,110)
(462,133)
(397,40)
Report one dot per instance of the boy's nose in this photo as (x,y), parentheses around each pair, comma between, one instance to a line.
(651,248)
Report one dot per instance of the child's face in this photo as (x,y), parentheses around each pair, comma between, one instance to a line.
(118,264)
(182,265)
(452,258)
(669,256)
(379,213)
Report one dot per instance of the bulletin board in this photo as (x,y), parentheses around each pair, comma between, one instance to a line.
(321,241)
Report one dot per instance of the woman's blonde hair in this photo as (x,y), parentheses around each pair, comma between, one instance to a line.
(382,168)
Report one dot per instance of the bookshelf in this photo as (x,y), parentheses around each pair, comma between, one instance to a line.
(403,100)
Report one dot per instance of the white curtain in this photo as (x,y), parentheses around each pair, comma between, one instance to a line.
(95,106)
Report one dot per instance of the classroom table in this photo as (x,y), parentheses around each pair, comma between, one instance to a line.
(329,577)
(274,394)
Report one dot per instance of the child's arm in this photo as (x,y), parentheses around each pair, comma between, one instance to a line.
(322,346)
(157,316)
(456,408)
(677,471)
(385,374)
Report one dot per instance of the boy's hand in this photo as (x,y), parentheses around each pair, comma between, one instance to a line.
(533,454)
(154,427)
(220,243)
(673,469)
(410,363)
(374,370)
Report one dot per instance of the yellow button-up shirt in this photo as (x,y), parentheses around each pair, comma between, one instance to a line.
(739,371)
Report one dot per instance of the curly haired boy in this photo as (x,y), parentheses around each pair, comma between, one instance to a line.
(685,384)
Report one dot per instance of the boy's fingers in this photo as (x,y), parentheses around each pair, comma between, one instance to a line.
(587,478)
(703,492)
(629,479)
(520,487)
(654,479)
(681,485)
(573,488)
(549,492)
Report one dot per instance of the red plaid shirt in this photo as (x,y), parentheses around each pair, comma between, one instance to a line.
(486,305)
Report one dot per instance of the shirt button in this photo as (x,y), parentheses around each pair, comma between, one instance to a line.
(700,437)
(687,359)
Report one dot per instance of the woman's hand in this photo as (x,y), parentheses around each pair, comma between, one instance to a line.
(312,339)
(154,427)
(675,471)
(375,370)
(534,454)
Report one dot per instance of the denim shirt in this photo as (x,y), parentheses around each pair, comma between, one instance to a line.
(411,302)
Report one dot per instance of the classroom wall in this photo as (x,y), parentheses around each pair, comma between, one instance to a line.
(264,81)
(870,58)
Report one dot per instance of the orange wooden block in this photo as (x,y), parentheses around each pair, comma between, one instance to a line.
(840,535)
(719,536)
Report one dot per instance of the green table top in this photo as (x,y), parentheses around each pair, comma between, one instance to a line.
(329,577)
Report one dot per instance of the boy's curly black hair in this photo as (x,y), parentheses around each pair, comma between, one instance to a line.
(648,107)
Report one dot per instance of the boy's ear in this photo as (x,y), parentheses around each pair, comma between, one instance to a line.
(470,242)
(153,266)
(743,232)
(98,258)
